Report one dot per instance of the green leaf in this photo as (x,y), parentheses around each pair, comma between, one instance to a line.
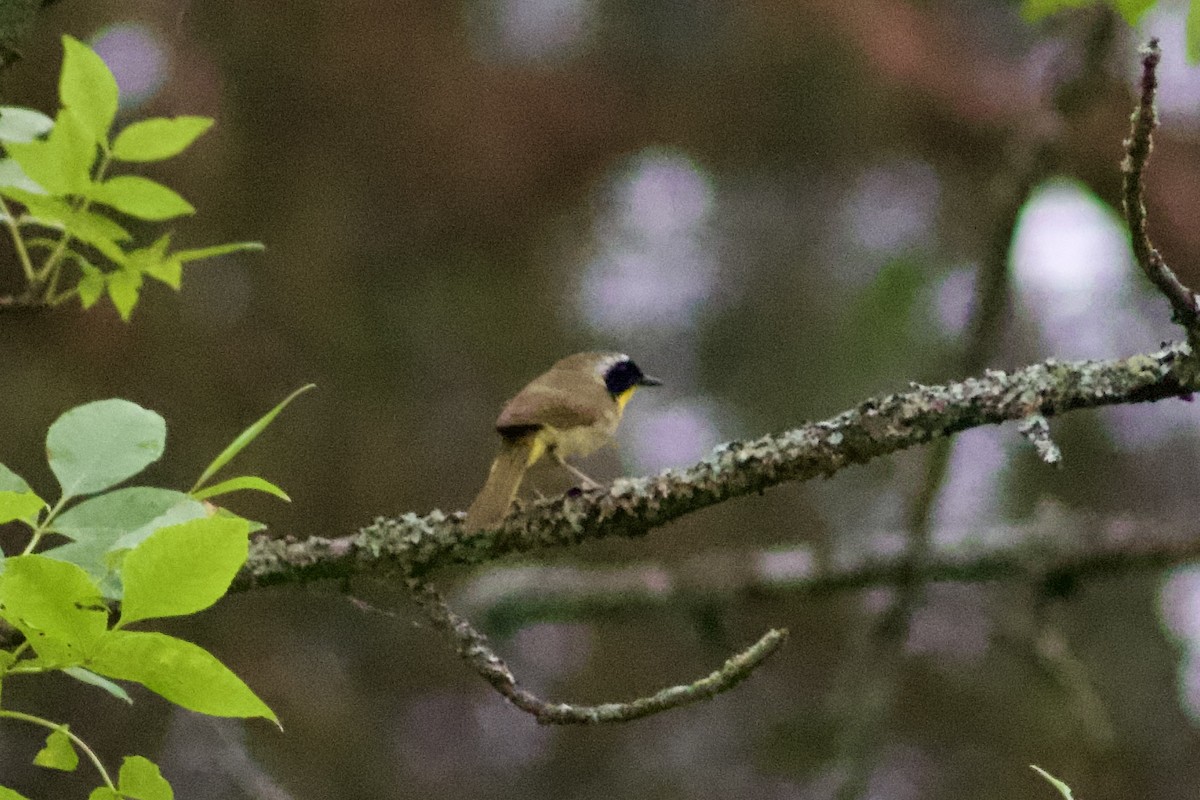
(24,506)
(99,444)
(1193,33)
(11,174)
(219,250)
(58,753)
(239,484)
(159,138)
(22,124)
(85,223)
(1132,10)
(180,671)
(91,284)
(50,212)
(100,232)
(104,793)
(1034,10)
(140,779)
(55,604)
(169,271)
(89,677)
(11,794)
(62,163)
(71,146)
(247,436)
(109,517)
(156,262)
(118,520)
(12,483)
(87,226)
(1063,789)
(225,513)
(141,197)
(182,569)
(124,287)
(88,87)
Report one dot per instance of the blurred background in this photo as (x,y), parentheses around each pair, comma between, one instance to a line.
(778,208)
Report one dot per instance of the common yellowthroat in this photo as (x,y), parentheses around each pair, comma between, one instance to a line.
(571,409)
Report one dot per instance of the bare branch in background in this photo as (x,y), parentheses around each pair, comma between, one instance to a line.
(874,677)
(1137,153)
(1054,550)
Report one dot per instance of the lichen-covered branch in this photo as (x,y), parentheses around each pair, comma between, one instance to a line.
(1138,146)
(632,507)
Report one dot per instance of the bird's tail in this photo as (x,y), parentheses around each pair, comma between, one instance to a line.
(494,499)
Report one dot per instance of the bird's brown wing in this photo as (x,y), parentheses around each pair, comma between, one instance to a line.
(558,399)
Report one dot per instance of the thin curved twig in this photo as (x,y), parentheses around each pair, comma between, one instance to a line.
(1138,146)
(473,647)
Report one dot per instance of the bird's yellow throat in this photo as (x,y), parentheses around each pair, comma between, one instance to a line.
(624,396)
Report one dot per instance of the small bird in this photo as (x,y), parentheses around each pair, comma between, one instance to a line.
(571,409)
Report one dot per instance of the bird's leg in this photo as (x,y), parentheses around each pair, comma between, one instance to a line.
(588,483)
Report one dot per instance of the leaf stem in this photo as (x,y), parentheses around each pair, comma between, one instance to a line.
(82,745)
(53,263)
(22,254)
(62,298)
(44,526)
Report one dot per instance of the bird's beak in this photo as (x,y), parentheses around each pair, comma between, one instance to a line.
(649,381)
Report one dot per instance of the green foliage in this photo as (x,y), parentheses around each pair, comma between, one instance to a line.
(180,671)
(88,88)
(98,445)
(19,505)
(1132,11)
(89,677)
(57,607)
(239,484)
(157,552)
(158,139)
(56,170)
(23,125)
(244,438)
(162,578)
(139,779)
(1063,789)
(104,526)
(1193,32)
(58,753)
